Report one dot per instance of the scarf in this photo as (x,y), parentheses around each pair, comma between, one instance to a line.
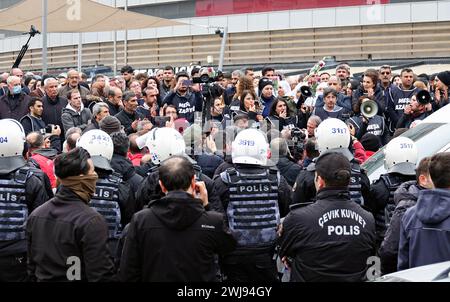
(82,185)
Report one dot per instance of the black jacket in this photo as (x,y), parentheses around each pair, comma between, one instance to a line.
(329,240)
(186,105)
(53,111)
(406,120)
(14,106)
(66,226)
(174,240)
(124,167)
(304,190)
(31,124)
(378,97)
(127,119)
(113,109)
(404,198)
(149,190)
(289,170)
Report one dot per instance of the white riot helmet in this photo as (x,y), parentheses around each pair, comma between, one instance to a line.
(164,143)
(100,146)
(401,156)
(12,138)
(250,147)
(333,136)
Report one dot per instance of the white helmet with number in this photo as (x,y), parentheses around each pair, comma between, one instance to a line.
(100,146)
(333,136)
(401,156)
(164,143)
(12,138)
(250,147)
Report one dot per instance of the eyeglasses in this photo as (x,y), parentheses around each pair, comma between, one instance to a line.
(385,73)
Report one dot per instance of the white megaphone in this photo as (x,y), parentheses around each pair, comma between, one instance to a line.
(369,108)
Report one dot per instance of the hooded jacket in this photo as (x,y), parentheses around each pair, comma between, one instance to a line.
(71,118)
(404,198)
(174,240)
(425,230)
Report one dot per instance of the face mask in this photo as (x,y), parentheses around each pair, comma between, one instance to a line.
(83,186)
(17,89)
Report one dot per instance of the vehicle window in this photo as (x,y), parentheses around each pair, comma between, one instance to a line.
(377,160)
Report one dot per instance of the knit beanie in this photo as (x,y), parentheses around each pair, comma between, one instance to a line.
(110,124)
(444,76)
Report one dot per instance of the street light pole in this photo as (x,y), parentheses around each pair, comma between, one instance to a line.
(125,41)
(44,36)
(222,47)
(115,47)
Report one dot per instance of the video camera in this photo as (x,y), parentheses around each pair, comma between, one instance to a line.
(296,144)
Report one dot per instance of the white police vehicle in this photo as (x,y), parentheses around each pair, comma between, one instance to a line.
(437,272)
(431,136)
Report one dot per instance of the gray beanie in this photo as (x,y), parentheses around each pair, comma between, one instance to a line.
(110,124)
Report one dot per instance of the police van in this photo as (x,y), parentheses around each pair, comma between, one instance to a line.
(437,272)
(431,136)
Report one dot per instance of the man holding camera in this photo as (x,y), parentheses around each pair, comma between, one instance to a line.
(32,122)
(184,101)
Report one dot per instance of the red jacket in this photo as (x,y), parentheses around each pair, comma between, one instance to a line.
(135,158)
(360,153)
(47,166)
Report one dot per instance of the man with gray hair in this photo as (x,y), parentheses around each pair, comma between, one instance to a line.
(14,104)
(53,104)
(99,111)
(73,82)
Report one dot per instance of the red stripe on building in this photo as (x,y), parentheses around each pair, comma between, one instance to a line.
(206,8)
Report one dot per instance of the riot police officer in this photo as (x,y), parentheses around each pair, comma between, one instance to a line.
(331,239)
(400,162)
(113,197)
(162,144)
(254,198)
(332,136)
(20,193)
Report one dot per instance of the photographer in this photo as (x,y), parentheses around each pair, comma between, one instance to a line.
(33,120)
(184,101)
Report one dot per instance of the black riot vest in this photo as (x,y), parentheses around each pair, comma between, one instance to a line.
(106,202)
(355,184)
(253,213)
(13,205)
(392,183)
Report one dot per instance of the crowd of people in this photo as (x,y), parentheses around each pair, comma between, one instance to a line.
(218,176)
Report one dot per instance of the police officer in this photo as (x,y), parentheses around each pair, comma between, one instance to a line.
(332,135)
(331,239)
(20,193)
(162,144)
(400,162)
(113,197)
(255,198)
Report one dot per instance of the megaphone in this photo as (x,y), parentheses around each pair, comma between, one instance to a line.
(423,97)
(305,91)
(369,108)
